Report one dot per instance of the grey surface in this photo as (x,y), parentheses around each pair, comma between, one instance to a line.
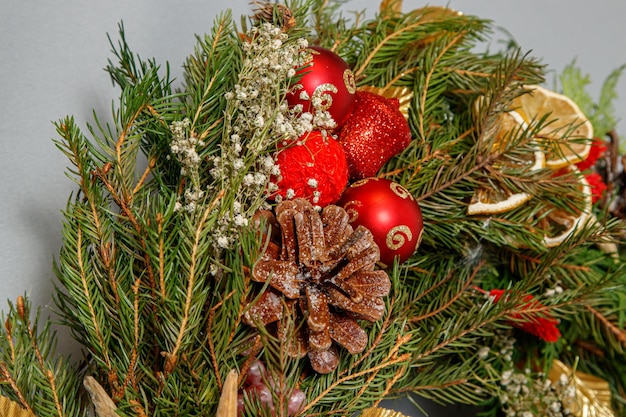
(51,60)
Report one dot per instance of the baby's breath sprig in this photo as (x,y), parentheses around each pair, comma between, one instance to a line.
(257,118)
(524,392)
(184,148)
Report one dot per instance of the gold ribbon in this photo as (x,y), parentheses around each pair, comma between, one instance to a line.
(393,6)
(593,396)
(10,408)
(380,412)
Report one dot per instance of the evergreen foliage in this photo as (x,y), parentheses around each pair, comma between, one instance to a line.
(156,299)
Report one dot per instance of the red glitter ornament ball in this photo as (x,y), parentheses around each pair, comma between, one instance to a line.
(328,81)
(315,168)
(390,212)
(375,131)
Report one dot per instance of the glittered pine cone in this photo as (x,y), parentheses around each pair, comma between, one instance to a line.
(323,272)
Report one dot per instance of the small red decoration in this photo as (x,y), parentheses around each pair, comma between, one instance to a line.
(315,169)
(598,148)
(390,212)
(326,84)
(532,318)
(374,133)
(598,187)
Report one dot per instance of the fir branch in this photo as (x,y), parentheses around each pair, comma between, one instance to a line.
(191,285)
(447,303)
(29,372)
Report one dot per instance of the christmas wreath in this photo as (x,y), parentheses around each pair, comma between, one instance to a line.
(330,213)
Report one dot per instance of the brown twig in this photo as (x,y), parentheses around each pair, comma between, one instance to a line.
(452,300)
(85,287)
(617,332)
(7,378)
(432,387)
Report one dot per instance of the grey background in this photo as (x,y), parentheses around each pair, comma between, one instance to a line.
(52,56)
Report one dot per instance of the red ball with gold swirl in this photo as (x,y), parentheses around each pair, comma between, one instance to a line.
(327,83)
(390,212)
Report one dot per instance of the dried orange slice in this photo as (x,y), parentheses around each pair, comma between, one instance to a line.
(558,224)
(494,199)
(568,127)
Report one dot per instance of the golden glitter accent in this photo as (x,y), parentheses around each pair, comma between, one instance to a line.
(362,182)
(400,191)
(593,395)
(349,81)
(398,236)
(322,93)
(419,239)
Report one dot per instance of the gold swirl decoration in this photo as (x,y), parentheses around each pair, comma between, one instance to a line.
(322,93)
(362,182)
(593,395)
(351,208)
(400,191)
(349,81)
(398,237)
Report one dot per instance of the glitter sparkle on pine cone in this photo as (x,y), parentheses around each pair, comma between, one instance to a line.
(324,270)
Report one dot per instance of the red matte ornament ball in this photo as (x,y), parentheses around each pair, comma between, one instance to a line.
(314,168)
(328,80)
(390,212)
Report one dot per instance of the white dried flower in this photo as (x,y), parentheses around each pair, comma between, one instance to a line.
(483,352)
(239,220)
(223,242)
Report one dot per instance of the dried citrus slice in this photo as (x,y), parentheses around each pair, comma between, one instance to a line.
(558,224)
(494,199)
(509,123)
(568,127)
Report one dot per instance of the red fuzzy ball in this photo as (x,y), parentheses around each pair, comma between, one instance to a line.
(315,169)
(327,78)
(374,133)
(390,212)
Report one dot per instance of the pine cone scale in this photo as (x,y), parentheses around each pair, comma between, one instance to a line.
(369,308)
(324,361)
(375,283)
(288,284)
(337,229)
(347,333)
(317,306)
(268,309)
